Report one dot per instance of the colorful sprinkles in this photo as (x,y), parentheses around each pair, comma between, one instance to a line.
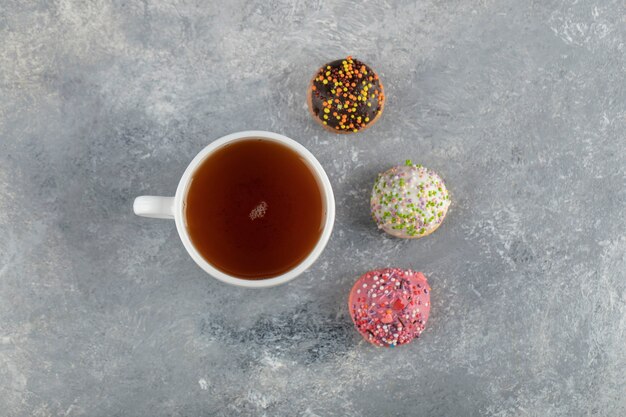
(409,201)
(346,95)
(390,306)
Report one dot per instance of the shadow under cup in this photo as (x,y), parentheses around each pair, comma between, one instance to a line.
(257,208)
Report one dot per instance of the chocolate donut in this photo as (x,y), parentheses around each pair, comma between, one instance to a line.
(346,96)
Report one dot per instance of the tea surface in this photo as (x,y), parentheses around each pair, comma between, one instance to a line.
(254,209)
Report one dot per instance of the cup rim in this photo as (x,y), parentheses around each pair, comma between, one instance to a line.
(326,189)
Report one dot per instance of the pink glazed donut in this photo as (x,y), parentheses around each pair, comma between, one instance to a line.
(390,306)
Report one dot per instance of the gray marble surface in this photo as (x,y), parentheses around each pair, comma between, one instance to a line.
(519,105)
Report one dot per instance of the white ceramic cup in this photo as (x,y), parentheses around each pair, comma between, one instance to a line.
(173,208)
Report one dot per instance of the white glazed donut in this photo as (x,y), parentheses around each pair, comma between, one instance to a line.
(409,201)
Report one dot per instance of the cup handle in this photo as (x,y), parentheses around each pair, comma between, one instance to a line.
(154,206)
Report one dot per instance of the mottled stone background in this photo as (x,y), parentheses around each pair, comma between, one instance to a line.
(520,105)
